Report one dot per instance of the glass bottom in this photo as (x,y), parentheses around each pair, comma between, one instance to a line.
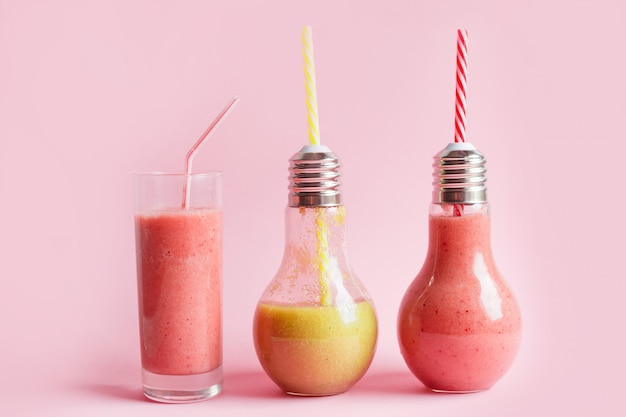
(182,388)
(300,394)
(445,391)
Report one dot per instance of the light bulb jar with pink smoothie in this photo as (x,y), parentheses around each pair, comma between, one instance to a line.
(178,229)
(459,325)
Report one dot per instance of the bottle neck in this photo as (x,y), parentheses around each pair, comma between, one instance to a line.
(315,256)
(311,230)
(454,236)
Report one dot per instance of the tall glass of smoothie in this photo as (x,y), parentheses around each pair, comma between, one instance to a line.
(178,229)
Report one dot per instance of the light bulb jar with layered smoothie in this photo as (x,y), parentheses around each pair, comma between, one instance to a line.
(459,325)
(315,327)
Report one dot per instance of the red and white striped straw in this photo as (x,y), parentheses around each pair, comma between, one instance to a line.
(461,86)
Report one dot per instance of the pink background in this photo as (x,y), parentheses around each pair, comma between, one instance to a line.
(92,91)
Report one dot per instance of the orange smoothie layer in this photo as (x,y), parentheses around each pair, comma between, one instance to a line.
(315,350)
(179,265)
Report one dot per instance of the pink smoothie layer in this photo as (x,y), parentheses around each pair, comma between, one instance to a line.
(459,326)
(179,264)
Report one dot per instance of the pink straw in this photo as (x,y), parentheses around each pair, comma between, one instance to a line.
(194,149)
(461,86)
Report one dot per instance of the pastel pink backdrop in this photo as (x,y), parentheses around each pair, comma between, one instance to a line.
(92,91)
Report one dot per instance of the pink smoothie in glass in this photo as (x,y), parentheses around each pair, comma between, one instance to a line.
(459,326)
(180,274)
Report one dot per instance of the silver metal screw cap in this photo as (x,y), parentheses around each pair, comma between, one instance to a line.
(314,178)
(459,175)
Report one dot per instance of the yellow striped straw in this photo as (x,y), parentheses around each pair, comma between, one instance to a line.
(322,252)
(321,229)
(310,86)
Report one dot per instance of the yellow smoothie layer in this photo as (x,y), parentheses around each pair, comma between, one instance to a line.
(315,350)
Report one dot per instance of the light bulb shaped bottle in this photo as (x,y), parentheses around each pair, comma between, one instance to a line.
(459,325)
(315,326)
